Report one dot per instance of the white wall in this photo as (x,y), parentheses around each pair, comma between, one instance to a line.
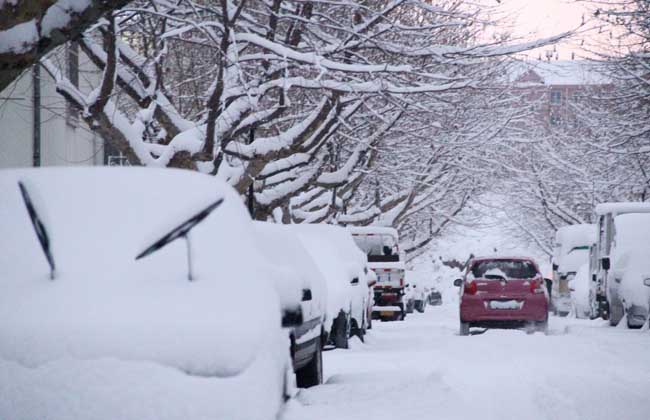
(62,144)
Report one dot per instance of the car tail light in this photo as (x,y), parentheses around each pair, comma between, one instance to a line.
(471,288)
(401,282)
(536,286)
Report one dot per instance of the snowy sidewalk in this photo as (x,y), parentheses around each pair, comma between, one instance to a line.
(421,368)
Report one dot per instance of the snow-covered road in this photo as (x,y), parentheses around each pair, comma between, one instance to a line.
(421,369)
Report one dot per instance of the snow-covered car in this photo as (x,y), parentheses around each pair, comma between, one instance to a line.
(571,251)
(105,315)
(502,292)
(605,214)
(580,289)
(303,293)
(630,267)
(343,266)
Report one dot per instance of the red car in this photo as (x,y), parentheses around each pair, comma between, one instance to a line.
(503,292)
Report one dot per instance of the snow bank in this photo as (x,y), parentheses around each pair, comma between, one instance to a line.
(104,303)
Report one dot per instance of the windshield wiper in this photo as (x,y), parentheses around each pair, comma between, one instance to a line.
(182,231)
(39,227)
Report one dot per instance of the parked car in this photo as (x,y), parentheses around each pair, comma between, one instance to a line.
(381,246)
(571,251)
(435,298)
(417,283)
(344,268)
(409,298)
(502,292)
(605,213)
(372,280)
(629,268)
(303,295)
(580,289)
(94,280)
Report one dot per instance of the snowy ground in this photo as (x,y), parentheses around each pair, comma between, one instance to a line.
(422,368)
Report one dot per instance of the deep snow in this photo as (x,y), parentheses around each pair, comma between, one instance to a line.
(422,368)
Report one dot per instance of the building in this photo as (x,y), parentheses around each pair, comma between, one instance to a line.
(38,127)
(556,91)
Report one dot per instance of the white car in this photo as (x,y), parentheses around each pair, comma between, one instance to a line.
(344,267)
(104,315)
(580,292)
(303,294)
(630,267)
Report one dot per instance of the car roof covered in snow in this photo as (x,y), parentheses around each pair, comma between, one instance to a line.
(104,303)
(621,208)
(580,234)
(501,257)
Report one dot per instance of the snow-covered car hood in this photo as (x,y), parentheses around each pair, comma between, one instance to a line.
(104,303)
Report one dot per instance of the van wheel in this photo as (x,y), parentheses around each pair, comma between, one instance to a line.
(542,326)
(616,313)
(341,331)
(464,328)
(355,330)
(420,306)
(312,373)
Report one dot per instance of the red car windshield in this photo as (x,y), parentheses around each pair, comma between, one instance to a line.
(495,269)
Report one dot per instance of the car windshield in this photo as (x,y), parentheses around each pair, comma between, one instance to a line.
(515,269)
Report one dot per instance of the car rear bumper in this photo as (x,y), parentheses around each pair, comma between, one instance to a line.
(476,308)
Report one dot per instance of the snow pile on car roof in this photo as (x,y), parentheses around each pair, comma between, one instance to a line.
(104,303)
(572,244)
(621,208)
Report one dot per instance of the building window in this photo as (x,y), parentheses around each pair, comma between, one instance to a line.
(556,97)
(555,119)
(72,72)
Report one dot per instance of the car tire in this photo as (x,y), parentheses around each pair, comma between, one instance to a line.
(312,373)
(542,326)
(356,330)
(464,328)
(616,312)
(341,331)
(419,306)
(369,323)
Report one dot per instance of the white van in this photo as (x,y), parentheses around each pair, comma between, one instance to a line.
(630,269)
(606,212)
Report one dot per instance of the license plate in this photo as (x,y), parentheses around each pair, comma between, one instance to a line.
(386,313)
(505,304)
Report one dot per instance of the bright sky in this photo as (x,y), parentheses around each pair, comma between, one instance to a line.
(543,18)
